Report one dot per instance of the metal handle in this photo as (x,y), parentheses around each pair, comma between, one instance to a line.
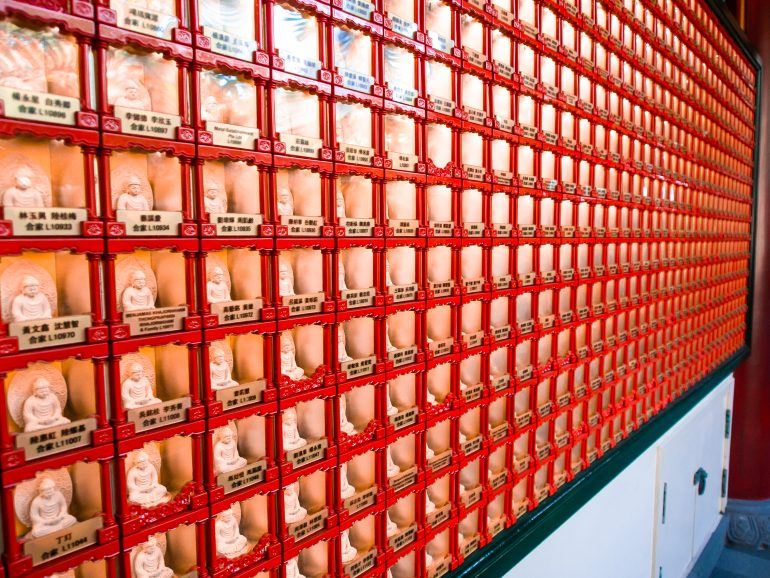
(700,479)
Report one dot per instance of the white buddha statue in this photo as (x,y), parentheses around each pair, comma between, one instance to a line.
(348,552)
(392,468)
(340,205)
(220,374)
(388,344)
(463,438)
(390,408)
(212,110)
(42,409)
(149,562)
(30,304)
(289,431)
(292,569)
(132,97)
(285,279)
(213,202)
(341,284)
(428,560)
(48,510)
(346,488)
(430,507)
(429,453)
(345,425)
(23,194)
(391,527)
(292,509)
(289,366)
(143,485)
(136,389)
(132,197)
(226,456)
(217,290)
(429,397)
(138,296)
(342,351)
(229,540)
(285,202)
(388,278)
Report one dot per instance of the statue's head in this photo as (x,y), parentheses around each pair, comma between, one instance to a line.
(23,178)
(284,271)
(287,343)
(340,200)
(46,487)
(284,195)
(212,193)
(293,489)
(41,387)
(30,286)
(136,371)
(151,543)
(217,355)
(216,275)
(132,90)
(138,279)
(142,460)
(228,435)
(133,186)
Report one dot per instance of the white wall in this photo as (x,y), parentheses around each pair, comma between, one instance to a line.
(613,536)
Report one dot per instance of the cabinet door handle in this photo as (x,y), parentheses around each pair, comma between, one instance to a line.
(700,479)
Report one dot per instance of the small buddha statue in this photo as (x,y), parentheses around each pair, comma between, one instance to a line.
(342,352)
(345,425)
(226,456)
(285,202)
(289,431)
(392,468)
(341,284)
(430,507)
(292,569)
(463,438)
(143,485)
(289,366)
(149,562)
(213,202)
(429,397)
(212,110)
(293,510)
(48,510)
(229,540)
(23,194)
(217,290)
(132,197)
(388,343)
(138,296)
(136,389)
(285,279)
(42,409)
(341,214)
(30,304)
(348,552)
(346,488)
(429,453)
(390,408)
(391,527)
(220,374)
(132,97)
(428,560)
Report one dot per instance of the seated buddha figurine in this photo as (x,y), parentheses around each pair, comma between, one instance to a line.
(30,303)
(48,510)
(42,409)
(226,456)
(143,485)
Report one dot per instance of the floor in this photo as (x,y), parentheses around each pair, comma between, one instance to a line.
(736,563)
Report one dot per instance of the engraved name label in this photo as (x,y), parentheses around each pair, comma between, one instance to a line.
(231,135)
(297,64)
(310,525)
(404,418)
(473,285)
(530,82)
(403,356)
(402,26)
(405,227)
(474,173)
(496,526)
(356,80)
(147,122)
(358,7)
(242,477)
(470,497)
(303,304)
(503,177)
(441,43)
(547,321)
(57,439)
(357,154)
(155,320)
(523,419)
(439,515)
(404,94)
(159,414)
(500,382)
(521,463)
(358,297)
(501,333)
(528,132)
(441,289)
(302,146)
(361,500)
(150,222)
(527,230)
(229,45)
(357,227)
(442,347)
(441,228)
(440,569)
(440,461)
(503,229)
(442,105)
(498,480)
(471,446)
(241,394)
(141,19)
(403,538)
(403,161)
(235,224)
(473,392)
(499,432)
(39,333)
(45,222)
(63,542)
(360,564)
(520,509)
(357,367)
(526,326)
(302,226)
(308,453)
(403,479)
(474,229)
(524,373)
(39,106)
(470,546)
(476,115)
(237,311)
(473,339)
(403,292)
(505,70)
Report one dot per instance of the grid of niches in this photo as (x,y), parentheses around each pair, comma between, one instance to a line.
(343,288)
